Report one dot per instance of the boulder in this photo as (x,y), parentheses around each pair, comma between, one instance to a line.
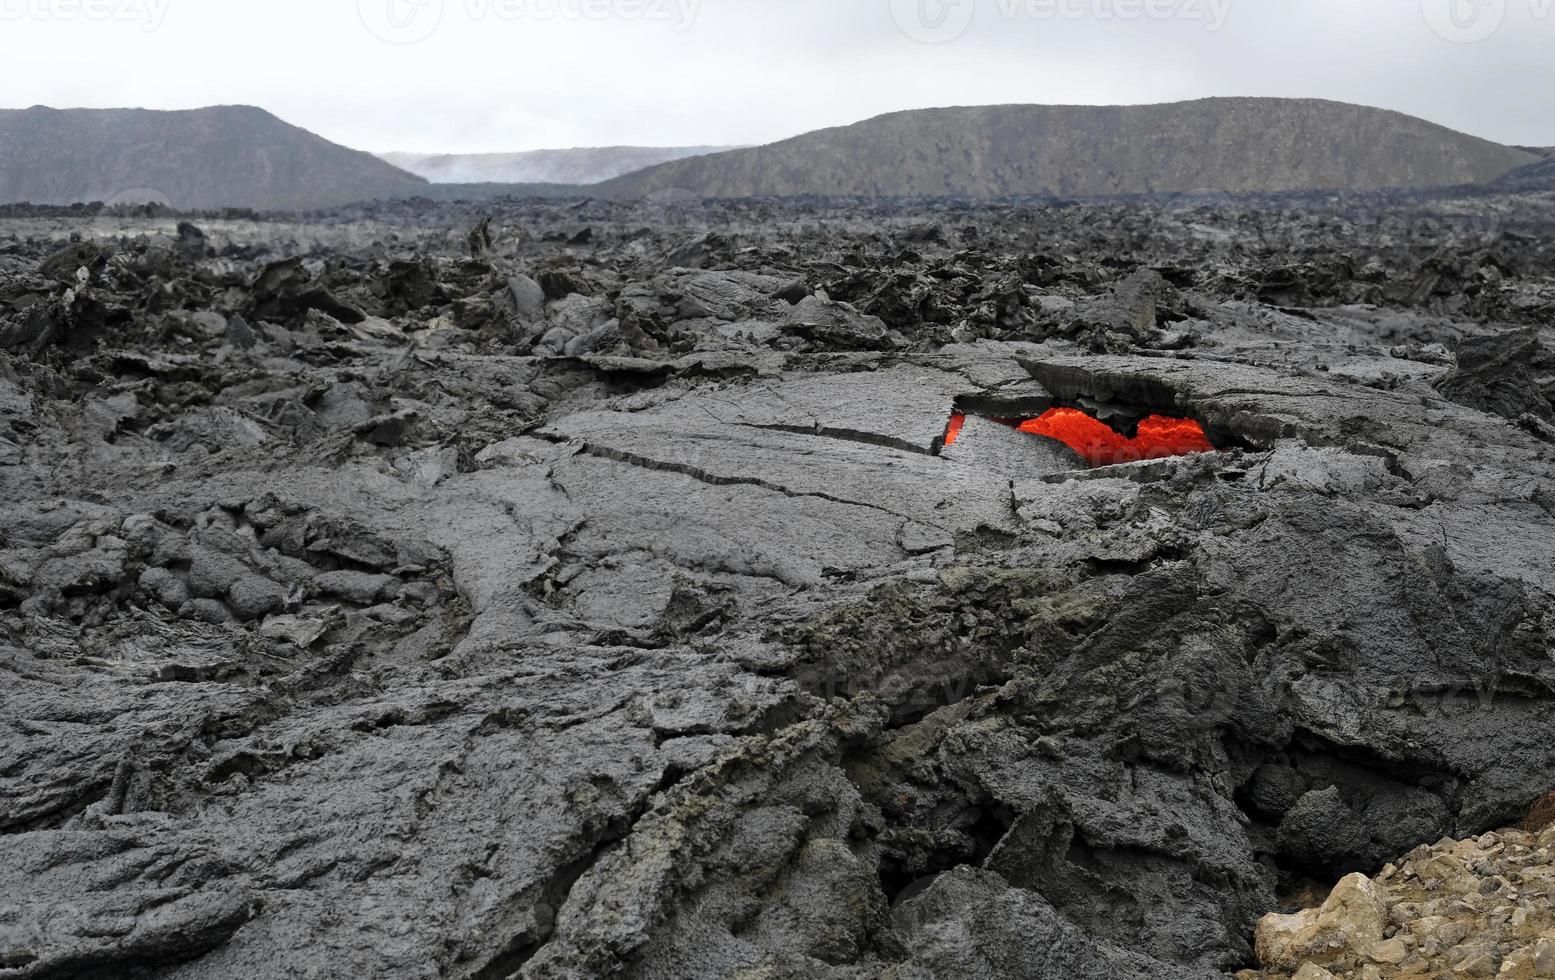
(1350,923)
(528,297)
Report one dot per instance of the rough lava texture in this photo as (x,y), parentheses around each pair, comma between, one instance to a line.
(579,589)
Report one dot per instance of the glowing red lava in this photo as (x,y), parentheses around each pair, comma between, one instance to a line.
(1158,438)
(957,423)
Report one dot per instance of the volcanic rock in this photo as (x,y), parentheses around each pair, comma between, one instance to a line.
(285,291)
(528,297)
(1510,374)
(662,630)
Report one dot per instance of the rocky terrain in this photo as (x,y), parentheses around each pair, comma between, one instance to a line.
(216,157)
(595,589)
(1230,145)
(581,165)
(1473,908)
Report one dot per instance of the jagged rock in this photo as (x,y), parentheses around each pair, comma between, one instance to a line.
(1351,921)
(208,611)
(1321,831)
(600,338)
(358,587)
(579,314)
(211,573)
(1450,909)
(726,295)
(193,243)
(480,238)
(206,322)
(411,285)
(792,292)
(239,334)
(1506,373)
(700,252)
(254,597)
(394,648)
(555,340)
(1530,962)
(66,264)
(830,325)
(296,630)
(528,297)
(1000,449)
(166,587)
(560,282)
(284,291)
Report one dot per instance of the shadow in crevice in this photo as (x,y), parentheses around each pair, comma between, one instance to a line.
(910,861)
(1327,810)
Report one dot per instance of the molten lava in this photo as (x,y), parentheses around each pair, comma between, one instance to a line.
(957,423)
(1100,445)
(1162,436)
(1158,438)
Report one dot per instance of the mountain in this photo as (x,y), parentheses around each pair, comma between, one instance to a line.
(1231,145)
(1535,178)
(221,156)
(584,165)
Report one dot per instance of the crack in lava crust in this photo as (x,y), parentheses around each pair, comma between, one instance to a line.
(1159,436)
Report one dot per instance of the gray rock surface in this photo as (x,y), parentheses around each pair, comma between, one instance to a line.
(410,647)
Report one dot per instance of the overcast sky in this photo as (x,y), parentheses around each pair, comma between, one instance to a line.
(489,75)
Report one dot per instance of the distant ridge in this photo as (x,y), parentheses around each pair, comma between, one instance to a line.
(582,165)
(221,156)
(1233,145)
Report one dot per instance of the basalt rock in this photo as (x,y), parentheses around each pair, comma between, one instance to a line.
(285,292)
(689,602)
(1509,373)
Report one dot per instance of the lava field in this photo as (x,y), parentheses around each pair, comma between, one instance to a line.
(760,589)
